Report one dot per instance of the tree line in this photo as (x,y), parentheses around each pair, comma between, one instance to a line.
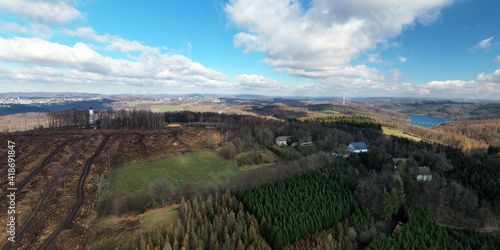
(357,121)
(108,119)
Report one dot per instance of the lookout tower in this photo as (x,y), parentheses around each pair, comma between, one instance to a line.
(91,118)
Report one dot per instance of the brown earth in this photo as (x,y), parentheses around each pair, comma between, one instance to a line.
(56,177)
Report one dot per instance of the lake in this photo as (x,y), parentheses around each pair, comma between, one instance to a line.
(427,121)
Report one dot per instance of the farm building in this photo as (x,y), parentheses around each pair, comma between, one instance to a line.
(357,147)
(283,140)
(424,174)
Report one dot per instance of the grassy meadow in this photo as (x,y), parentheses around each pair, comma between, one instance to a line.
(328,112)
(394,132)
(167,108)
(198,167)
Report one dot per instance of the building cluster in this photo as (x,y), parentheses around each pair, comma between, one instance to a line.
(282,141)
(423,173)
(43,101)
(171,100)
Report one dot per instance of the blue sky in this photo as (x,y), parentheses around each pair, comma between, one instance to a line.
(429,48)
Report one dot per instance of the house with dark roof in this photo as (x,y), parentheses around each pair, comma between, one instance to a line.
(397,160)
(424,174)
(357,147)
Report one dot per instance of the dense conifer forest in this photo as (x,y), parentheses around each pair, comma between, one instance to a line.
(290,209)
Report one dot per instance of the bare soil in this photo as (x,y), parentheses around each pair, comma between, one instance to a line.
(56,177)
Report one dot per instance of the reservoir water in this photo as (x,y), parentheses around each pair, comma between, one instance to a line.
(427,121)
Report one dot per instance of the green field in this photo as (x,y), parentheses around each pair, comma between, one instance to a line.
(197,167)
(165,109)
(394,132)
(328,112)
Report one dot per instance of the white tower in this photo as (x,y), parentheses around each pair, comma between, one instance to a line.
(91,117)
(343,99)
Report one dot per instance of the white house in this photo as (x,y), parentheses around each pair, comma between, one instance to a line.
(283,140)
(424,174)
(357,147)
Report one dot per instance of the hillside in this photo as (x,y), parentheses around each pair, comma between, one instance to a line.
(88,183)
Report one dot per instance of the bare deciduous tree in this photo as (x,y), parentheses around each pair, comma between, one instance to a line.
(161,192)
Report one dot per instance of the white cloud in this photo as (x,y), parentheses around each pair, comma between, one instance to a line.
(488,86)
(440,85)
(115,43)
(42,11)
(449,88)
(74,80)
(82,58)
(429,16)
(374,58)
(256,82)
(484,44)
(489,78)
(497,60)
(321,41)
(485,86)
(125,46)
(396,76)
(89,33)
(35,29)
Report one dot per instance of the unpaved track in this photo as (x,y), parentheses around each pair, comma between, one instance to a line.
(141,140)
(45,162)
(122,142)
(22,159)
(37,209)
(80,197)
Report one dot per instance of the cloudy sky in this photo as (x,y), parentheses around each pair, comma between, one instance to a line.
(425,48)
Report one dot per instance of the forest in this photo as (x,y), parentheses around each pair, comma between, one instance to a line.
(353,121)
(329,198)
(218,222)
(487,131)
(301,205)
(278,111)
(421,232)
(483,179)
